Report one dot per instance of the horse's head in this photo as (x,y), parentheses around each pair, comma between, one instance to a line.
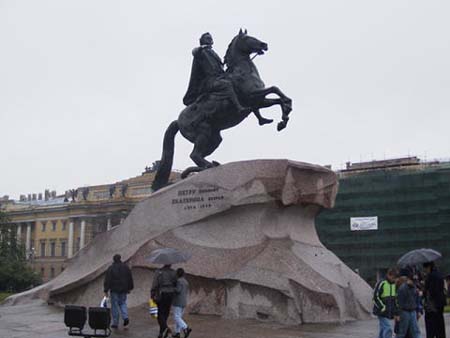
(248,44)
(244,45)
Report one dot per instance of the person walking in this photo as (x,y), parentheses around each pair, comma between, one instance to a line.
(434,302)
(179,304)
(118,282)
(407,296)
(385,304)
(162,292)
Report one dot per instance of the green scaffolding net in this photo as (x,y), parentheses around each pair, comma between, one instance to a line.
(413,210)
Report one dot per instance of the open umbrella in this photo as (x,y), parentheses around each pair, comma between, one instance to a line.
(168,256)
(418,256)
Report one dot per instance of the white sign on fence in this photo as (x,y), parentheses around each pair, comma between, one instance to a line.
(363,223)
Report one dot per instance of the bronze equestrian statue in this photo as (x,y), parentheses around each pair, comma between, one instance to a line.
(219,99)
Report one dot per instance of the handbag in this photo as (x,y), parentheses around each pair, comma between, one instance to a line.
(104,302)
(153,308)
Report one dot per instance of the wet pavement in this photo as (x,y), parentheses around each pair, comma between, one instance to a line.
(39,320)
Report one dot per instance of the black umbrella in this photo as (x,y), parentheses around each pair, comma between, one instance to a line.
(418,256)
(168,256)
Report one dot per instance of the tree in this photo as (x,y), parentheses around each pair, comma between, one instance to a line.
(15,274)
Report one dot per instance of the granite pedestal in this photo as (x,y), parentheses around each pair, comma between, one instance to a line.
(255,251)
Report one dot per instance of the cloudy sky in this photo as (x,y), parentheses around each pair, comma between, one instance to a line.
(87,88)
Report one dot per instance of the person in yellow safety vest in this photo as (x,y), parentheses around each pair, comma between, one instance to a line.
(385,304)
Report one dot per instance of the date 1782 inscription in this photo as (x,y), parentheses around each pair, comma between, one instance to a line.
(193,199)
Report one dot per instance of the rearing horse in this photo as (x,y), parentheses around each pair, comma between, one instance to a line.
(205,133)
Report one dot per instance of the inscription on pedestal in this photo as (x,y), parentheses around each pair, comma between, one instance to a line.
(194,199)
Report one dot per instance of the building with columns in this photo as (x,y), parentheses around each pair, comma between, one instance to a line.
(55,228)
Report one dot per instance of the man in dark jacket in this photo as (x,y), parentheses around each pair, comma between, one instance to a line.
(118,282)
(407,296)
(385,304)
(162,292)
(434,302)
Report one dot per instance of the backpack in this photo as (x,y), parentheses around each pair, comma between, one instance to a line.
(155,293)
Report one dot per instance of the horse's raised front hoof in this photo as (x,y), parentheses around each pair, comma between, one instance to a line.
(281,125)
(264,121)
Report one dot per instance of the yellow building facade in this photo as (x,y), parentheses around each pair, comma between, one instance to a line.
(55,228)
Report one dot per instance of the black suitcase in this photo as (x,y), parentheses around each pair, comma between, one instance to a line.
(99,318)
(75,317)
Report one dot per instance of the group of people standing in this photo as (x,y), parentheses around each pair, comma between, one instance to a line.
(169,290)
(404,297)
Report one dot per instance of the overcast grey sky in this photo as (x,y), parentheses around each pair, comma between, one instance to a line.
(87,88)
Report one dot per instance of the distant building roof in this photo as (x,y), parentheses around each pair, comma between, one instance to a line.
(395,162)
(134,189)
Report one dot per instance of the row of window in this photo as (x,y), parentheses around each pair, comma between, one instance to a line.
(53,226)
(52,271)
(52,249)
(62,246)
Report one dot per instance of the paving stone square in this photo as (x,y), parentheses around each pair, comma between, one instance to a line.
(39,320)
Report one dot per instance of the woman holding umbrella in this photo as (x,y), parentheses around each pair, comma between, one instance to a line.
(164,284)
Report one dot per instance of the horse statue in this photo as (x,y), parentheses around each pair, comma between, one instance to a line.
(202,121)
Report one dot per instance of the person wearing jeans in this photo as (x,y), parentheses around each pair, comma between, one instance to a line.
(179,304)
(119,307)
(408,323)
(180,324)
(385,327)
(118,282)
(385,304)
(407,302)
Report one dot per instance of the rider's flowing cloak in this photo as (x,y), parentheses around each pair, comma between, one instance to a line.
(206,66)
(194,82)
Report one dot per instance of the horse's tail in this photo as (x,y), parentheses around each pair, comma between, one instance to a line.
(165,166)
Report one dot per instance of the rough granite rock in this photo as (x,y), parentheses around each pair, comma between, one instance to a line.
(255,251)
